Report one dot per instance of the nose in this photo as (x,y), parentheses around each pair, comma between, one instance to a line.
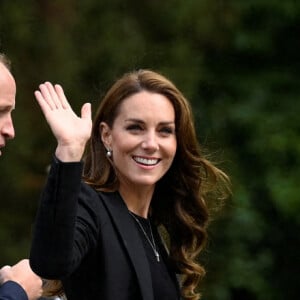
(150,142)
(7,129)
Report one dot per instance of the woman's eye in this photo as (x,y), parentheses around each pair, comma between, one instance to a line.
(167,130)
(134,127)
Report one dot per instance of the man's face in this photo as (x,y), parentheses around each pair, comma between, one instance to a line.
(7,105)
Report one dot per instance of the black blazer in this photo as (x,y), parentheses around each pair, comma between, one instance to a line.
(88,240)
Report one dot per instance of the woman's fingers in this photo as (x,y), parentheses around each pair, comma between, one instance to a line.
(53,96)
(42,102)
(61,95)
(47,95)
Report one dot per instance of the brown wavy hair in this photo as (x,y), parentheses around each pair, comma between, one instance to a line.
(180,200)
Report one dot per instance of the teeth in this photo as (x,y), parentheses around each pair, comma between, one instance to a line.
(145,161)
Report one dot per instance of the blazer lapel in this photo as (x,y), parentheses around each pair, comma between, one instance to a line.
(132,242)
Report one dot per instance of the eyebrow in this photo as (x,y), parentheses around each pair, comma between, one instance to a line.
(142,122)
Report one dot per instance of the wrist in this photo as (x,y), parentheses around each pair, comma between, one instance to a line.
(69,153)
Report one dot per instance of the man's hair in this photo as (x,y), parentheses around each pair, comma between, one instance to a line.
(4,60)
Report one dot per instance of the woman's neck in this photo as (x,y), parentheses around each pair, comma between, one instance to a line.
(137,199)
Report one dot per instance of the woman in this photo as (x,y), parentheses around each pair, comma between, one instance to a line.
(142,171)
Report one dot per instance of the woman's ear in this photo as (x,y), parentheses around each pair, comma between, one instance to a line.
(105,133)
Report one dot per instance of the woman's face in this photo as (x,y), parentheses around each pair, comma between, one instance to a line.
(142,139)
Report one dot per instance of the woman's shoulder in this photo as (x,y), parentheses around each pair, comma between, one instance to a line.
(96,199)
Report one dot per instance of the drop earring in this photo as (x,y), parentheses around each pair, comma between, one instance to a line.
(108,153)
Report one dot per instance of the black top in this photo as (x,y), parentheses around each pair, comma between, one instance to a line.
(163,281)
(90,241)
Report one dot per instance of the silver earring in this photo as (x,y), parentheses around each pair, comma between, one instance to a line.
(108,153)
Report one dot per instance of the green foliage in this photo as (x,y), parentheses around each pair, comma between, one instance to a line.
(237,61)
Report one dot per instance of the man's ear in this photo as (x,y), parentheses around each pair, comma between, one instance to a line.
(105,133)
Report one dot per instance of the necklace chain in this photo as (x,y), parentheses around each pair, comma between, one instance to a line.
(152,244)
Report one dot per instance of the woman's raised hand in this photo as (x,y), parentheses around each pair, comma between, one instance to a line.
(71,132)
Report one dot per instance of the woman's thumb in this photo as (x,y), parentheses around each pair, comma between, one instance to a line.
(86,111)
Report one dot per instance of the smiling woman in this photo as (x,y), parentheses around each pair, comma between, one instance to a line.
(97,224)
(143,143)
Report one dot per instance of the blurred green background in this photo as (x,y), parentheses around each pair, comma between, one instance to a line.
(238,62)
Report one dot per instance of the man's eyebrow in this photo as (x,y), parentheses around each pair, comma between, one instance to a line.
(7,107)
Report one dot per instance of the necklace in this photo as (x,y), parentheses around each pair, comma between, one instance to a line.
(151,243)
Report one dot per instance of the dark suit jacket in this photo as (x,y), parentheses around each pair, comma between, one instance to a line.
(12,291)
(88,240)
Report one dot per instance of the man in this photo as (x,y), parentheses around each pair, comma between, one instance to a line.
(17,282)
(7,102)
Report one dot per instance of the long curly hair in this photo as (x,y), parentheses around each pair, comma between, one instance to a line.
(180,200)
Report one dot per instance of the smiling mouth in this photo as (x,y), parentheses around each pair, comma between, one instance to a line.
(146,161)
